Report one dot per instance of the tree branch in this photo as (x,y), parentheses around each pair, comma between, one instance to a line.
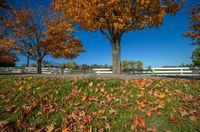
(106,35)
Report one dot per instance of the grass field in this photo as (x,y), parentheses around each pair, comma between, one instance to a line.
(61,104)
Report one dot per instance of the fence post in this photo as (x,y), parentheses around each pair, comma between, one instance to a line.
(153,71)
(181,71)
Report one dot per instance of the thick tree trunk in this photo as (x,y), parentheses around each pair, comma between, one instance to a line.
(116,57)
(39,66)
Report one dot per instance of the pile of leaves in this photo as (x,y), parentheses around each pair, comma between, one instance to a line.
(63,104)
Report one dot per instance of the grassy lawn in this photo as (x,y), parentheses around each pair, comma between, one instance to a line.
(61,104)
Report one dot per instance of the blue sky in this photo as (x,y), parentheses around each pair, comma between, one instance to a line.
(156,47)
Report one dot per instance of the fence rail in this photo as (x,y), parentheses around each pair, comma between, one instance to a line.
(183,71)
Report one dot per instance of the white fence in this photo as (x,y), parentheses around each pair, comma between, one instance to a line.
(32,70)
(183,71)
(102,70)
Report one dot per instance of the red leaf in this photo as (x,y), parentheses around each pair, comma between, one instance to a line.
(87,118)
(173,120)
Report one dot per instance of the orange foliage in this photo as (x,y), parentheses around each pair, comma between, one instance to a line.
(117,15)
(6,54)
(194,25)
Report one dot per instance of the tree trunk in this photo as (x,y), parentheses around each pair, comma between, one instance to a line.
(116,57)
(27,63)
(39,66)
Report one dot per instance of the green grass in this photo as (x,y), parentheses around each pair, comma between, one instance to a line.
(34,103)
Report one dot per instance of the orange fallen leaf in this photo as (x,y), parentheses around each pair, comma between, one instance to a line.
(83,98)
(144,100)
(65,130)
(148,113)
(74,90)
(141,105)
(161,95)
(140,122)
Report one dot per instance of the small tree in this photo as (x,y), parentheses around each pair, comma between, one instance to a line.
(125,64)
(114,18)
(139,65)
(196,57)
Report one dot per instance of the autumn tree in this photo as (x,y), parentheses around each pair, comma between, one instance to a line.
(37,34)
(194,25)
(114,18)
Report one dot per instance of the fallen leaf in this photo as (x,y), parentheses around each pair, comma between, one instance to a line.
(161,95)
(3,124)
(192,118)
(107,125)
(183,112)
(26,110)
(151,130)
(69,99)
(74,90)
(100,130)
(124,105)
(173,120)
(141,105)
(83,98)
(112,111)
(102,89)
(65,129)
(148,113)
(47,107)
(140,122)
(188,98)
(89,104)
(90,84)
(87,118)
(50,127)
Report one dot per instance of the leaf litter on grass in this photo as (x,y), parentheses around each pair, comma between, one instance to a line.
(61,104)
